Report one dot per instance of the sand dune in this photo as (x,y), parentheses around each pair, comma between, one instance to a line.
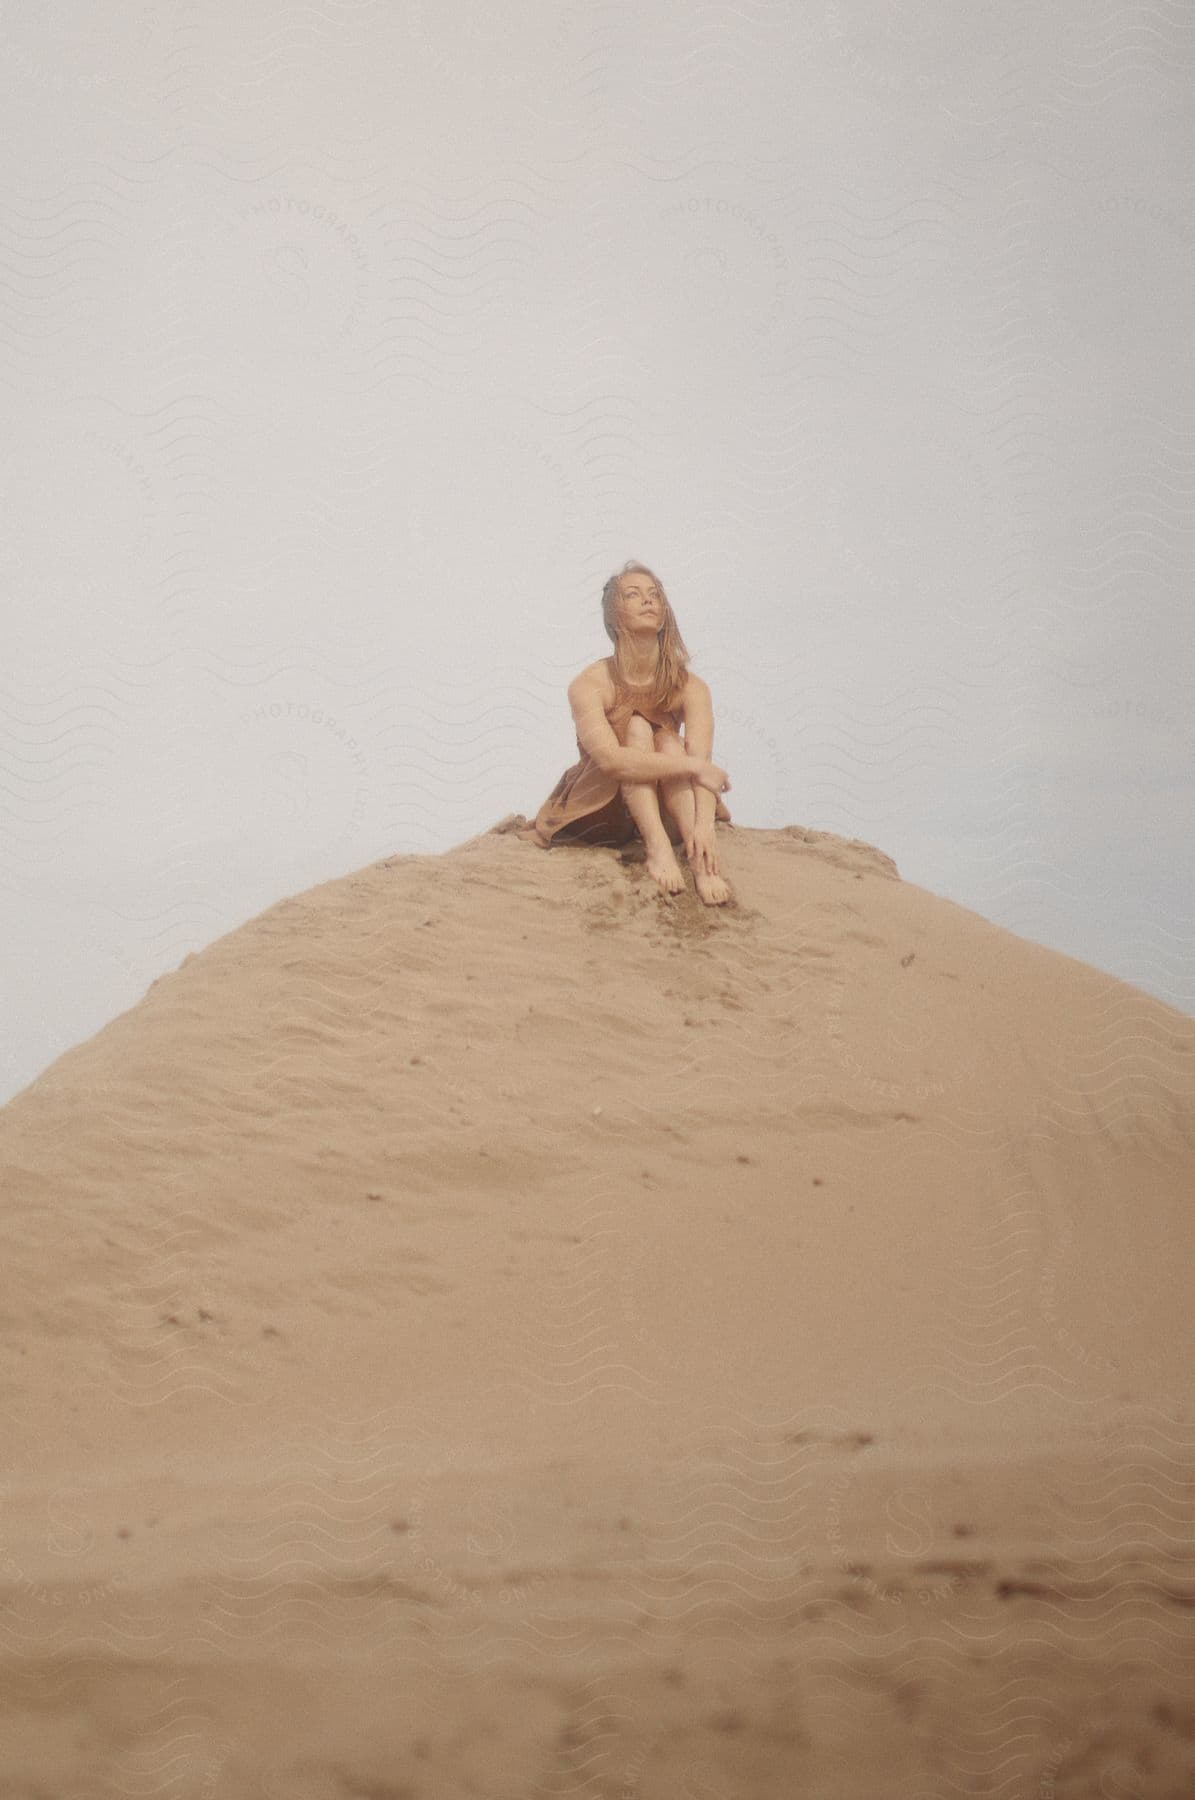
(482,1328)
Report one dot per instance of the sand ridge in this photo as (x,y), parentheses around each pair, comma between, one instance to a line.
(484,1326)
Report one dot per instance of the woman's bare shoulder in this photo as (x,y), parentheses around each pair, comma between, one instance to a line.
(695,689)
(595,675)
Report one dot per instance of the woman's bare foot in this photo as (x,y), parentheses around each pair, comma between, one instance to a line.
(663,867)
(710,888)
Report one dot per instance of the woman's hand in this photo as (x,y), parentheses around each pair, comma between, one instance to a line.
(702,851)
(709,775)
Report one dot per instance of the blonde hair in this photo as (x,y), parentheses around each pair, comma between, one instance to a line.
(672,670)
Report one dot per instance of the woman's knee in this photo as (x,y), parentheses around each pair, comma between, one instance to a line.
(639,732)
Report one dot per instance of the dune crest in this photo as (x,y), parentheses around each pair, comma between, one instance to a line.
(639,1334)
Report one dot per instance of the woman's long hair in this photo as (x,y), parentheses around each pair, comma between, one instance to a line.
(673,668)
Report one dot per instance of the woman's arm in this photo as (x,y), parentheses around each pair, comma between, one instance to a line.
(596,737)
(699,743)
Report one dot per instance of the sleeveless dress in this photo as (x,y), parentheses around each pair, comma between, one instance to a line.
(586,806)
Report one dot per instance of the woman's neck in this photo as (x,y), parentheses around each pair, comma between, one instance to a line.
(635,676)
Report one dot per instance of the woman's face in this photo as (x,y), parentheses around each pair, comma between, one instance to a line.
(641,604)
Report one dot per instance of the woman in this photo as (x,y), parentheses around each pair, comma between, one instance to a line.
(636,773)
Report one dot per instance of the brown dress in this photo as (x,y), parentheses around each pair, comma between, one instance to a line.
(586,806)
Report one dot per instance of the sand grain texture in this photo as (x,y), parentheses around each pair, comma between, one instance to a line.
(482,1328)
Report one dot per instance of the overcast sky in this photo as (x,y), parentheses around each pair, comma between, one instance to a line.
(347,350)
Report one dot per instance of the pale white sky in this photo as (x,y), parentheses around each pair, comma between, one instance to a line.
(346,354)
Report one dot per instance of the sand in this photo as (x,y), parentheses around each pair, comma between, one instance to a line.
(483,1328)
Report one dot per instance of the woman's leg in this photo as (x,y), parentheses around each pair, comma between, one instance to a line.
(676,795)
(676,791)
(643,804)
